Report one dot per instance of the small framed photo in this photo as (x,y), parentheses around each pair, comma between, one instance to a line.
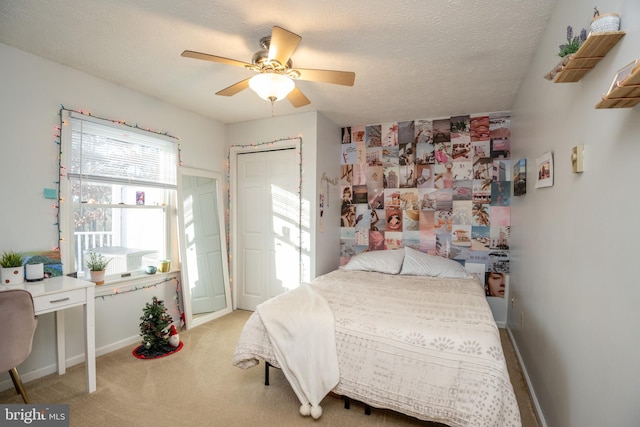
(622,74)
(544,165)
(139,197)
(520,177)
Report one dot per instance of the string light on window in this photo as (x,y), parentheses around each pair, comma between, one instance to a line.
(62,172)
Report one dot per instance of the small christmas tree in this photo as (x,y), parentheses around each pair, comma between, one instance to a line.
(154,329)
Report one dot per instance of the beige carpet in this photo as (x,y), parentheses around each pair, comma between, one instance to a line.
(198,386)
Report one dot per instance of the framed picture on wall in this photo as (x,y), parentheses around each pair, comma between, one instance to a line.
(544,177)
(622,74)
(520,177)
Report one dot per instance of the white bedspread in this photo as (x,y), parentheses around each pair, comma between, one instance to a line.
(426,347)
(301,330)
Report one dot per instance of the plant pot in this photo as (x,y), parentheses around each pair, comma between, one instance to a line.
(12,275)
(605,23)
(97,277)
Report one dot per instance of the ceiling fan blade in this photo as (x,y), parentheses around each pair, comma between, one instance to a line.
(234,88)
(346,78)
(213,58)
(282,45)
(297,98)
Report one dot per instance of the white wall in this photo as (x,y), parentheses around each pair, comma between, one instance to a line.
(320,149)
(574,273)
(327,234)
(31,92)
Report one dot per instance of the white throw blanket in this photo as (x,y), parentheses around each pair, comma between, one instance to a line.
(300,325)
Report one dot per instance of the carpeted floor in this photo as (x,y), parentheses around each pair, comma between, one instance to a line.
(198,386)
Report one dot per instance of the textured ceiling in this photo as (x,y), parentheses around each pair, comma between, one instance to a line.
(413,59)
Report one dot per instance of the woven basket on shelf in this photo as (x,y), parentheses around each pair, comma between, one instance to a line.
(605,23)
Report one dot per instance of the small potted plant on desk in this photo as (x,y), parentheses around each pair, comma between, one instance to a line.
(12,272)
(97,263)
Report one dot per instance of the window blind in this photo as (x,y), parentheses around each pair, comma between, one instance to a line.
(112,153)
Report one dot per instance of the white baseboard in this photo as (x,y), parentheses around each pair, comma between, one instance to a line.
(534,399)
(117,345)
(29,376)
(71,361)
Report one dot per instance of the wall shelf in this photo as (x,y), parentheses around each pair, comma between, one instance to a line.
(624,94)
(573,67)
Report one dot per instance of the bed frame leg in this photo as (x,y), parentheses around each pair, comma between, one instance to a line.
(266,373)
(347,400)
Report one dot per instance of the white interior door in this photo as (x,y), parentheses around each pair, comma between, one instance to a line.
(268,214)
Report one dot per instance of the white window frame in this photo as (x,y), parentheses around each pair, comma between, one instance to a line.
(67,234)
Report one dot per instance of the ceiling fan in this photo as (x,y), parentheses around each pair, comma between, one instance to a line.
(276,75)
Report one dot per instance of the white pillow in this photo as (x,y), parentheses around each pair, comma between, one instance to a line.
(417,263)
(387,261)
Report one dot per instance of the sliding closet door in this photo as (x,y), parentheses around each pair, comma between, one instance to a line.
(268,225)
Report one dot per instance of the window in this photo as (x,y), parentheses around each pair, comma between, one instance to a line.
(119,195)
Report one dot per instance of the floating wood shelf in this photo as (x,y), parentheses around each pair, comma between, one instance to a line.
(625,94)
(573,67)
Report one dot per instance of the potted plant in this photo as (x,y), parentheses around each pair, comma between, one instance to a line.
(12,272)
(97,263)
(573,42)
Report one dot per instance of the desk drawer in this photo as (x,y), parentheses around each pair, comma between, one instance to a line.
(51,302)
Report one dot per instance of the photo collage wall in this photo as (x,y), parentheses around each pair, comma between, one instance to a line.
(442,186)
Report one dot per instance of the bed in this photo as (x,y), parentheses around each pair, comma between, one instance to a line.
(413,333)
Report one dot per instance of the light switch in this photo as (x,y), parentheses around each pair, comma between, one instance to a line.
(577,159)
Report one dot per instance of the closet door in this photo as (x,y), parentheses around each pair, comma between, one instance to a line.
(268,225)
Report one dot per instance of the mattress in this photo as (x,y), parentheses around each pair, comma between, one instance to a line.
(422,346)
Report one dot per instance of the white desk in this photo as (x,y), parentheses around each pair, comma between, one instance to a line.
(56,295)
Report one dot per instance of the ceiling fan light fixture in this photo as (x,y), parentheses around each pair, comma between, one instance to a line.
(276,76)
(271,86)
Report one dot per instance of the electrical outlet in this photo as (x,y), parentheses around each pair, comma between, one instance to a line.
(522,319)
(513,301)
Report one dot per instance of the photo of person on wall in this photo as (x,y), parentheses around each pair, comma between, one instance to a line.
(494,284)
